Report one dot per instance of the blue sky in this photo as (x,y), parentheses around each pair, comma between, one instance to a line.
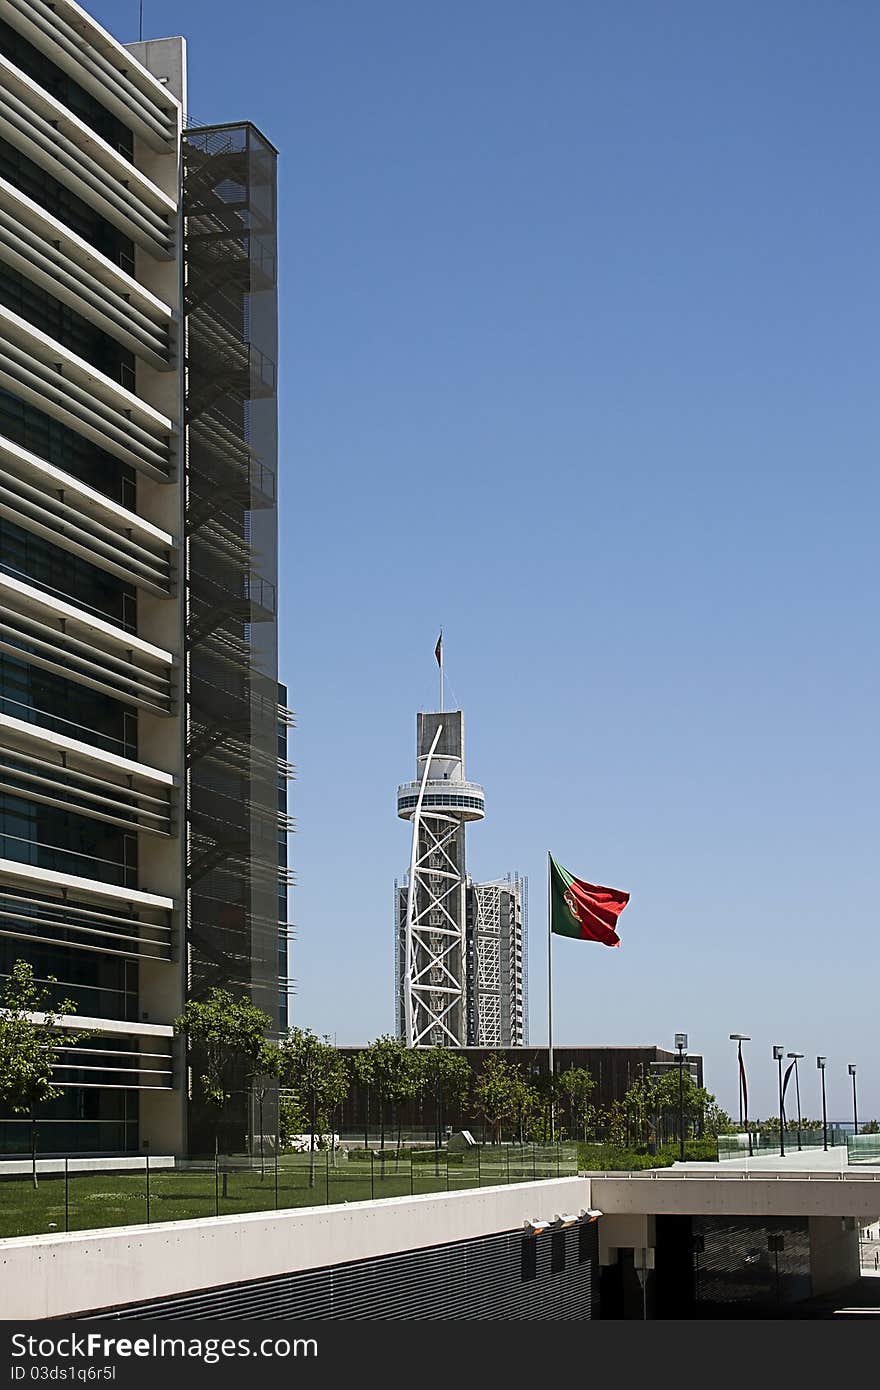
(579,360)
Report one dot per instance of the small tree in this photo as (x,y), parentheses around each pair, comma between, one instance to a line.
(362,1072)
(317,1080)
(231,1034)
(641,1105)
(267,1068)
(28,1043)
(447,1078)
(674,1091)
(292,1119)
(526,1105)
(717,1121)
(614,1120)
(496,1092)
(577,1086)
(397,1074)
(536,1117)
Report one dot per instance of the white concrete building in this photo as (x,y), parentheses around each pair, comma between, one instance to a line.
(137,496)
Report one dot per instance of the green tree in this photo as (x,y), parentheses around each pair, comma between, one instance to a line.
(526,1105)
(362,1074)
(396,1077)
(496,1092)
(316,1079)
(668,1099)
(229,1035)
(536,1117)
(717,1121)
(613,1120)
(576,1086)
(28,1045)
(770,1126)
(641,1103)
(292,1119)
(268,1065)
(447,1078)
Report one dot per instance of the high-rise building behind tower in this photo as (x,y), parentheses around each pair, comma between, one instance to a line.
(139,704)
(497,962)
(460,946)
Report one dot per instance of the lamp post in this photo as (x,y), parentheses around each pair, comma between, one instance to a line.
(820,1063)
(852,1071)
(681,1042)
(796,1056)
(778,1054)
(739,1039)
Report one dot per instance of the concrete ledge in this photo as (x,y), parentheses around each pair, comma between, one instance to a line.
(54,1276)
(738,1194)
(11,1167)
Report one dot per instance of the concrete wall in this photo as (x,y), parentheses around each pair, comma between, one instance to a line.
(59,1275)
(669,1193)
(834,1252)
(628,1232)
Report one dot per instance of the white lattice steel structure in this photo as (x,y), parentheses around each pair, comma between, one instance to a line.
(459,945)
(431,904)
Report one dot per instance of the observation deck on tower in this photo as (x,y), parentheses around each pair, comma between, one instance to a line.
(446,789)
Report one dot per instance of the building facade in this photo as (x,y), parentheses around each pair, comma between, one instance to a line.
(497,956)
(139,711)
(460,947)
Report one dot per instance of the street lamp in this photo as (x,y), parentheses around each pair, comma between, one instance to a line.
(852,1071)
(778,1054)
(820,1063)
(739,1039)
(681,1042)
(796,1056)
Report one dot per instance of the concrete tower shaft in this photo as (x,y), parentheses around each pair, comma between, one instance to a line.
(431,905)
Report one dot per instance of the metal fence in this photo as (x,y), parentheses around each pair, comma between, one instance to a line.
(863,1148)
(767,1142)
(79,1195)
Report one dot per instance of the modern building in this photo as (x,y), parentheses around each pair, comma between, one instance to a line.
(460,946)
(497,917)
(286,827)
(139,710)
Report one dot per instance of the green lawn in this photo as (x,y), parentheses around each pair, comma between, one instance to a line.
(98,1200)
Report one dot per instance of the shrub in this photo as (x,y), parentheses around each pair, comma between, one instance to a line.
(619,1158)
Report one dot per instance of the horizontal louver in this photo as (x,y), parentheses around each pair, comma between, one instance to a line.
(111,76)
(465,1280)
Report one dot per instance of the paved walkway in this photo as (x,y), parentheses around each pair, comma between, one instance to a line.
(805,1161)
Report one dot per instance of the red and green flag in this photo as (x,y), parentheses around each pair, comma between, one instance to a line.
(584,910)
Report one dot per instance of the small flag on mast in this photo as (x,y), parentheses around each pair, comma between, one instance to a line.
(438,650)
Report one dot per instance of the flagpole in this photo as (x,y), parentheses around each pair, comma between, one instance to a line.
(550,998)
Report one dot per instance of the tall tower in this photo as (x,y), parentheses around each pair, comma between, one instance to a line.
(431,911)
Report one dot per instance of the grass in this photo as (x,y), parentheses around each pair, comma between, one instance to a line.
(95,1201)
(607,1158)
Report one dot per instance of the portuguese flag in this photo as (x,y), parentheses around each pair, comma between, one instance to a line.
(584,910)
